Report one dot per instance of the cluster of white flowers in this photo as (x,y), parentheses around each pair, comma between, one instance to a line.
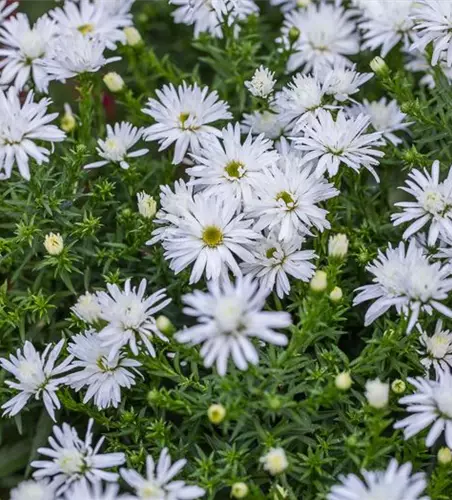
(243,218)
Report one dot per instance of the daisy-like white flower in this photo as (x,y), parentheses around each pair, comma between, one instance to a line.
(270,123)
(183,116)
(33,490)
(327,34)
(158,483)
(73,460)
(385,117)
(73,54)
(433,205)
(437,348)
(430,404)
(341,141)
(115,149)
(432,22)
(20,125)
(406,279)
(95,491)
(6,9)
(341,80)
(87,308)
(229,317)
(274,261)
(92,18)
(227,168)
(386,23)
(301,97)
(394,483)
(22,47)
(287,197)
(262,83)
(130,317)
(210,235)
(104,377)
(36,376)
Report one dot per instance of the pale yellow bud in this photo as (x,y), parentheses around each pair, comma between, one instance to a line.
(378,65)
(444,456)
(319,282)
(68,122)
(343,381)
(377,393)
(239,490)
(275,461)
(53,243)
(133,36)
(216,413)
(336,294)
(164,324)
(398,386)
(114,82)
(338,246)
(147,206)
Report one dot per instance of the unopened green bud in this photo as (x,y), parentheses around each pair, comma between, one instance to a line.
(294,34)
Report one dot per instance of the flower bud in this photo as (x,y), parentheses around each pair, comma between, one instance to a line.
(164,324)
(398,386)
(377,393)
(133,36)
(53,243)
(216,413)
(338,246)
(294,34)
(319,281)
(275,461)
(147,206)
(68,122)
(343,381)
(444,456)
(336,294)
(114,82)
(379,66)
(239,490)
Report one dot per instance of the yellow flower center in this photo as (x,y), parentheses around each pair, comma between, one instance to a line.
(270,252)
(86,28)
(235,169)
(286,198)
(212,236)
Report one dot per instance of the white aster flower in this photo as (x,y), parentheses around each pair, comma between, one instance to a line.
(147,206)
(385,117)
(92,18)
(104,377)
(377,393)
(386,23)
(287,197)
(406,279)
(275,461)
(262,83)
(21,124)
(22,47)
(183,116)
(327,34)
(300,98)
(341,80)
(432,22)
(158,483)
(73,460)
(6,9)
(433,205)
(73,54)
(394,483)
(230,316)
(87,308)
(430,405)
(341,141)
(437,348)
(274,261)
(227,168)
(269,122)
(95,491)
(130,317)
(115,149)
(210,235)
(36,375)
(33,490)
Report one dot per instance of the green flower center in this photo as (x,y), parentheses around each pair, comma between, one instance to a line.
(212,236)
(235,169)
(286,198)
(270,252)
(86,28)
